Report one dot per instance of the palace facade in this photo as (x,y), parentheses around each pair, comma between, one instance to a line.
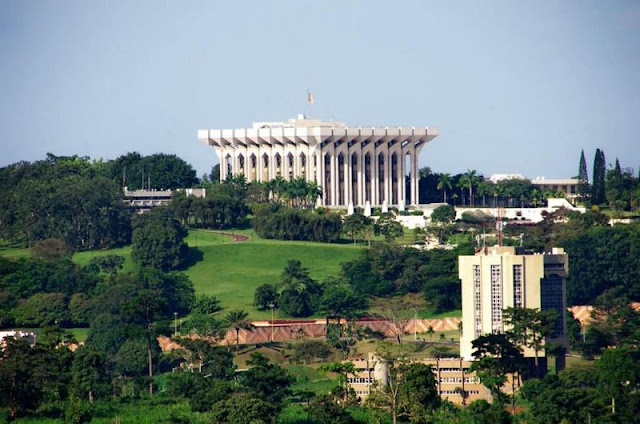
(356,166)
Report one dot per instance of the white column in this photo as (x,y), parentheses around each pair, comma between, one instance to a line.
(334,173)
(309,155)
(415,178)
(387,175)
(319,175)
(361,183)
(374,177)
(347,178)
(223,165)
(272,163)
(400,174)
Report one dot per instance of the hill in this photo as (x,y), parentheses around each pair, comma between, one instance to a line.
(232,270)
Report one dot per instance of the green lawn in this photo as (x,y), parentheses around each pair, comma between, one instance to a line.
(11,250)
(232,271)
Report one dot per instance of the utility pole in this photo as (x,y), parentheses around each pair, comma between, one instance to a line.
(272,308)
(175,324)
(415,325)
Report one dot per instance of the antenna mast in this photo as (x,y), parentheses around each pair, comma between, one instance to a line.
(499,225)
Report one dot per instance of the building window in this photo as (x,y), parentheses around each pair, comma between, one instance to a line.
(477,300)
(496,299)
(517,286)
(551,299)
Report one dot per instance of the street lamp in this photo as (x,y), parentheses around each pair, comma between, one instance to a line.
(175,324)
(415,325)
(272,306)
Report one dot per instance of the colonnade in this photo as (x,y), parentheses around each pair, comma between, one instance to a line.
(352,165)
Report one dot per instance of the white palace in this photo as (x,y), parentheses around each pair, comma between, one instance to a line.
(352,165)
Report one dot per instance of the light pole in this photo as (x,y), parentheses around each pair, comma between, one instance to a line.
(175,324)
(415,325)
(272,306)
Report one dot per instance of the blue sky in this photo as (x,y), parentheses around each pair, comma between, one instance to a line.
(513,86)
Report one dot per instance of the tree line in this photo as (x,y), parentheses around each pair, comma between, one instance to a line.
(384,270)
(78,200)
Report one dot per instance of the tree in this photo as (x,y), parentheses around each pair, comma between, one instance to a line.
(42,309)
(65,199)
(242,408)
(443,293)
(343,369)
(355,225)
(324,409)
(583,178)
(238,320)
(266,296)
(388,227)
(31,375)
(495,357)
(340,300)
(420,390)
(300,293)
(619,376)
(469,179)
(530,327)
(599,171)
(206,305)
(398,316)
(444,214)
(602,258)
(407,390)
(158,240)
(443,183)
(158,172)
(89,371)
(110,264)
(266,381)
(19,387)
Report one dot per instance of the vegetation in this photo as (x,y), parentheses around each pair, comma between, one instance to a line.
(66,198)
(158,240)
(274,221)
(121,375)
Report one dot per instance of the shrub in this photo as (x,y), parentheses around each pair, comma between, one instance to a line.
(310,350)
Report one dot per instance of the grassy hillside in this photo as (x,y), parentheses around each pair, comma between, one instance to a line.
(232,271)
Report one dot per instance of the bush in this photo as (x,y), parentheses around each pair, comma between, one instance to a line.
(283,223)
(310,350)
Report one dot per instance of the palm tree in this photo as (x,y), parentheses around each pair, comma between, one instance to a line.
(471,178)
(485,188)
(278,185)
(443,183)
(462,183)
(238,320)
(313,192)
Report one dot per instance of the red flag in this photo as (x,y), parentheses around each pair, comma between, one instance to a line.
(309,96)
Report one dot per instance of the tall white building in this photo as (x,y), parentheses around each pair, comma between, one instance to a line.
(352,165)
(501,277)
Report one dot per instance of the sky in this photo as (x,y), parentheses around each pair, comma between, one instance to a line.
(512,86)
